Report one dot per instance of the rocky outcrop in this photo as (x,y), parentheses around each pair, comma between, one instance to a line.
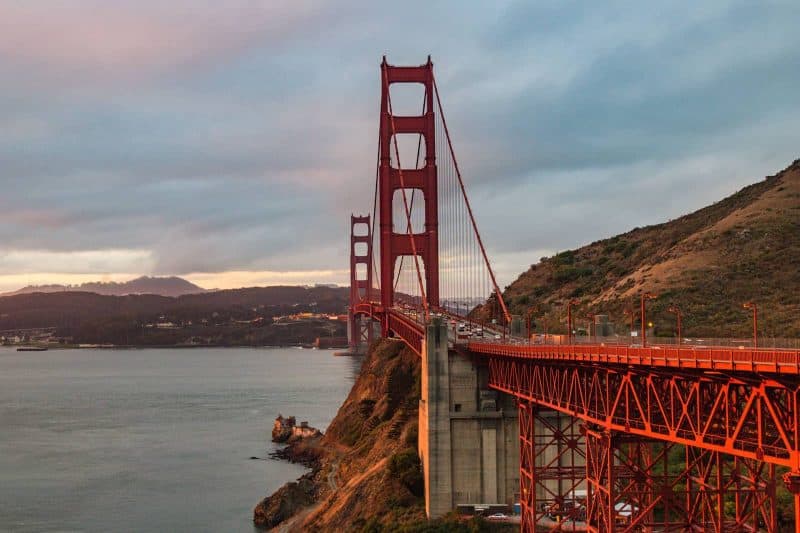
(284,503)
(286,430)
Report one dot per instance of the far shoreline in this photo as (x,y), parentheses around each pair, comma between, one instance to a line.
(164,346)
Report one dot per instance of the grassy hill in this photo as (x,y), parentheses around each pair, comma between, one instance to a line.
(743,248)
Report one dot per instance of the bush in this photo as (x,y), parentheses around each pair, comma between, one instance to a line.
(566,274)
(565,258)
(405,467)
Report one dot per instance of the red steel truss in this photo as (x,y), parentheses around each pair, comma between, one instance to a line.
(552,467)
(750,416)
(633,488)
(734,430)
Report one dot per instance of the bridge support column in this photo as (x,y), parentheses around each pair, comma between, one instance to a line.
(467,433)
(726,493)
(792,482)
(552,467)
(360,333)
(600,478)
(631,487)
(434,421)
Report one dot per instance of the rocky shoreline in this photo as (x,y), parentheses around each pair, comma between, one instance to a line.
(303,446)
(364,469)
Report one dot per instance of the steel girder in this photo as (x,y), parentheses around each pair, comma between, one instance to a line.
(750,416)
(633,422)
(552,466)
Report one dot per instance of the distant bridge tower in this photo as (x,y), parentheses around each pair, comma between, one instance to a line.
(394,244)
(359,326)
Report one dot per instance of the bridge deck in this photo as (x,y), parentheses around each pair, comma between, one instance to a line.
(689,357)
(711,358)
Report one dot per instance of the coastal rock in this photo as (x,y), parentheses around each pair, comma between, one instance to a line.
(284,503)
(286,430)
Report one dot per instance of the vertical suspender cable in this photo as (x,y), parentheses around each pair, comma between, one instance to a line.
(468,207)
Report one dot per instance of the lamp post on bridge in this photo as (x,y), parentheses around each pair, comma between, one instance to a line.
(674,309)
(592,327)
(629,312)
(528,322)
(645,296)
(569,318)
(754,307)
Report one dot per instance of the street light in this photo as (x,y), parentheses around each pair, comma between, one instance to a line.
(674,309)
(569,318)
(754,307)
(590,318)
(629,312)
(645,296)
(528,322)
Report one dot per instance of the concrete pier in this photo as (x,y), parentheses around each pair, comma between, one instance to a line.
(468,434)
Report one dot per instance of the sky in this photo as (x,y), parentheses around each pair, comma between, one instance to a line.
(228,143)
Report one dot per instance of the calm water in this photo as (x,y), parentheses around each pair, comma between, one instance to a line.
(152,440)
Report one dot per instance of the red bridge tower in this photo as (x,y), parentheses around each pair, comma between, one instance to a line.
(393,245)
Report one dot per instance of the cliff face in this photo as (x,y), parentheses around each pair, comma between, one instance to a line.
(368,472)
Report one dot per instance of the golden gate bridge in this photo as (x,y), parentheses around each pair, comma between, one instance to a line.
(731,413)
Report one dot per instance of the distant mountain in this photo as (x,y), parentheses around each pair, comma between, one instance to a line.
(743,248)
(162,286)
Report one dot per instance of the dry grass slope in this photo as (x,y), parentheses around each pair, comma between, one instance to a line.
(745,247)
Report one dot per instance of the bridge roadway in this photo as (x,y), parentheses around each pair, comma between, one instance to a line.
(409,326)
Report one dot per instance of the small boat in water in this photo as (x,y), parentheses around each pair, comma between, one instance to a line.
(32,349)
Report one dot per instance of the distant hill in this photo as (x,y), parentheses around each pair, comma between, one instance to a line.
(237,316)
(743,248)
(163,286)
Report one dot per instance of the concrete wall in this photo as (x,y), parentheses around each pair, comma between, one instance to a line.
(434,424)
(468,434)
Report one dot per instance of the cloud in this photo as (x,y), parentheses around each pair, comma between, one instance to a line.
(239,278)
(240,139)
(17,262)
(92,41)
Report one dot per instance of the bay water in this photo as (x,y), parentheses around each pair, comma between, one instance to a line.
(153,439)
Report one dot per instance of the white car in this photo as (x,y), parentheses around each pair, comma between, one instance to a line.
(497,516)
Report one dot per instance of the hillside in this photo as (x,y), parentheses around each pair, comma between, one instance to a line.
(237,316)
(743,248)
(163,286)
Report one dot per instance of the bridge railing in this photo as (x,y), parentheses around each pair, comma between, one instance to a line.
(697,342)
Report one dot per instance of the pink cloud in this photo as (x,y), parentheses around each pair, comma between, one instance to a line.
(101,39)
